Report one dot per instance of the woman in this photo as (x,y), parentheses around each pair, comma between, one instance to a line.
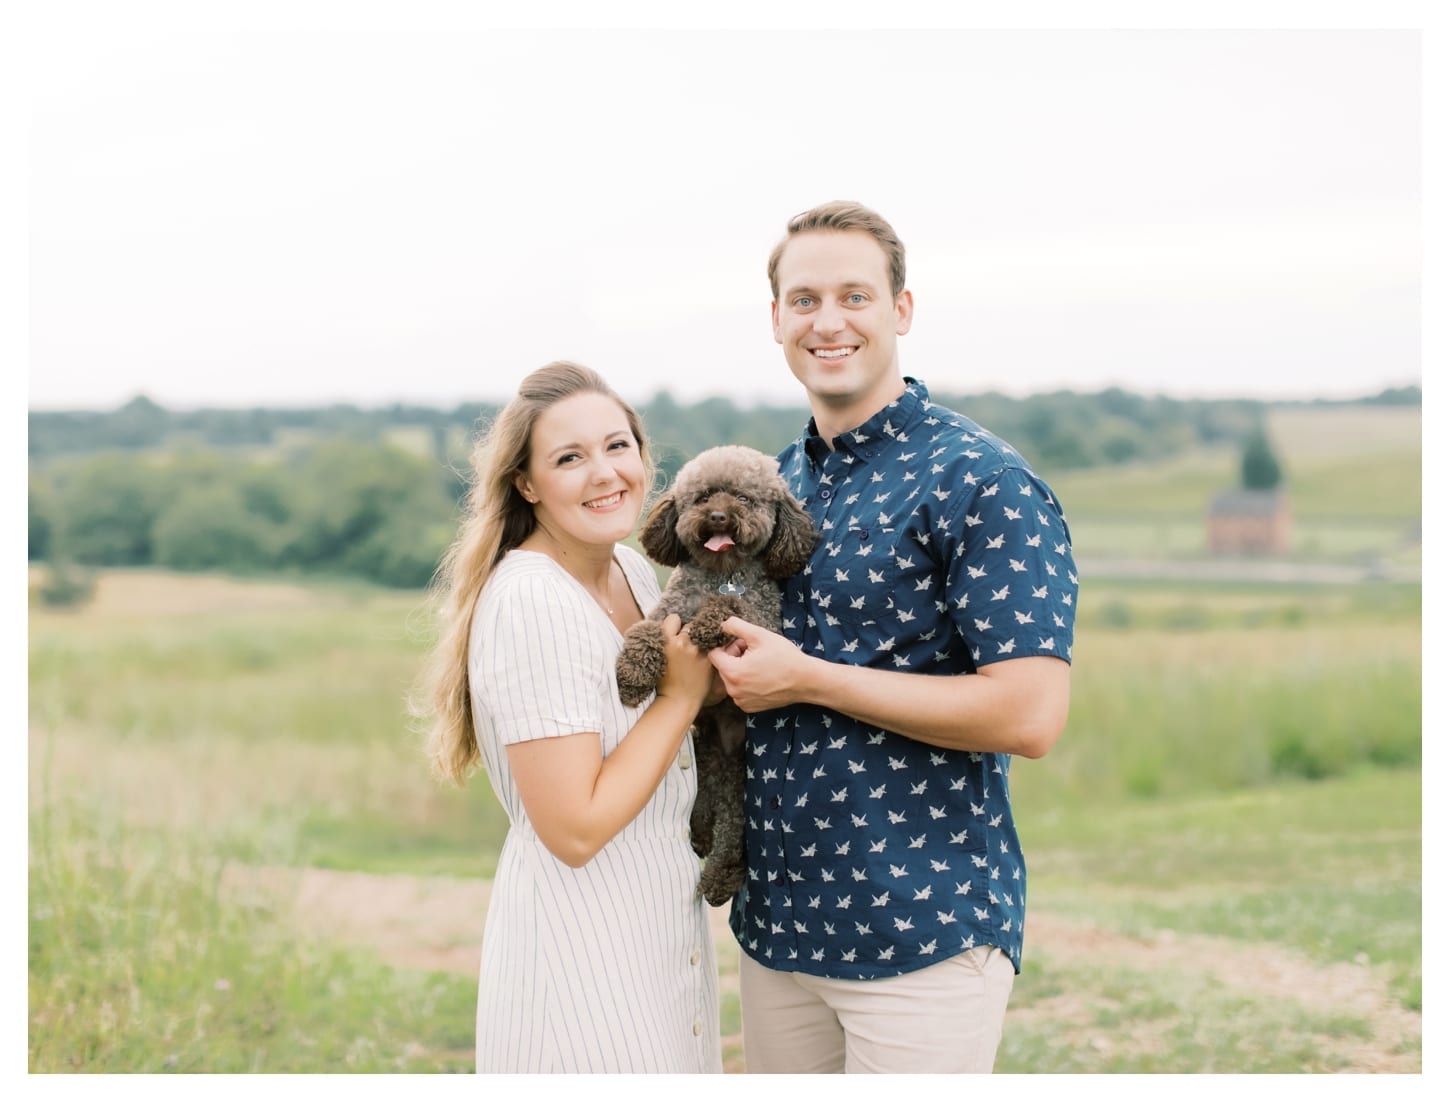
(597,954)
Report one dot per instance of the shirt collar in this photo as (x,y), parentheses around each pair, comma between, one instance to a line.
(885,428)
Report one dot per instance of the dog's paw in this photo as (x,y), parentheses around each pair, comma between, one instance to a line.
(704,628)
(640,665)
(633,689)
(720,882)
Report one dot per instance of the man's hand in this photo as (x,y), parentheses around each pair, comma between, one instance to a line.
(760,669)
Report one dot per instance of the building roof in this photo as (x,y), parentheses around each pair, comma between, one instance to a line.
(1247,503)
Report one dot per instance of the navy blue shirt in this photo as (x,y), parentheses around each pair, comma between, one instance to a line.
(870,854)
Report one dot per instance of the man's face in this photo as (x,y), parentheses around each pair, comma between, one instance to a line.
(838,322)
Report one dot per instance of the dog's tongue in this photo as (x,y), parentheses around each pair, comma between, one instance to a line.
(719,543)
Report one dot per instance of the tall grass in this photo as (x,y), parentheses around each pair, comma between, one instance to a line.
(138,964)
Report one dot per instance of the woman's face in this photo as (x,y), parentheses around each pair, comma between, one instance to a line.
(585,476)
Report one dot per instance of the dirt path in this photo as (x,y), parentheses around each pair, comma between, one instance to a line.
(435,923)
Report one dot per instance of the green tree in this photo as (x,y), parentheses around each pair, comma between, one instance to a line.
(1259,467)
(348,489)
(208,527)
(39,505)
(105,509)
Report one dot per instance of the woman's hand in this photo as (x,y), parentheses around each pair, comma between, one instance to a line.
(688,673)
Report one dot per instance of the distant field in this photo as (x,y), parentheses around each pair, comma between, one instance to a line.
(1308,432)
(1353,479)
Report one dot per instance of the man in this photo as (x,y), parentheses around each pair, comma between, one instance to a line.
(926,644)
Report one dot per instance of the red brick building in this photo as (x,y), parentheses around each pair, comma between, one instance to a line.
(1249,522)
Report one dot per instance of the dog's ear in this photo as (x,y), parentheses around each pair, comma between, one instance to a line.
(792,541)
(658,535)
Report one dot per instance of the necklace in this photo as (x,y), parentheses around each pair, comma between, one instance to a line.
(602,603)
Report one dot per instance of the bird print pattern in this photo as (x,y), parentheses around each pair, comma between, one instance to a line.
(870,854)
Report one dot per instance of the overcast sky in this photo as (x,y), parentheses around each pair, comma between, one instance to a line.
(228,219)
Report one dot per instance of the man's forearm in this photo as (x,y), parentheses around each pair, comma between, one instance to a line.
(1013,707)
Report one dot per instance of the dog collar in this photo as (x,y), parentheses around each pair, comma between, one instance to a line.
(732,588)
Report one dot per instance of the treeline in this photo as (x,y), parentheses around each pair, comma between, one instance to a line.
(374,492)
(343,506)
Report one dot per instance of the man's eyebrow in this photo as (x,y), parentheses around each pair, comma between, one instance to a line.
(845,285)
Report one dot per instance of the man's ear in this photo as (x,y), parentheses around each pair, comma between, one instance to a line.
(904,308)
(775,321)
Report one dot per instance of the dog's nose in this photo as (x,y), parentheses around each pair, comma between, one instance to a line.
(717,517)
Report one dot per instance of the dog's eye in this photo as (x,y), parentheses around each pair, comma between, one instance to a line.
(701,498)
(745,500)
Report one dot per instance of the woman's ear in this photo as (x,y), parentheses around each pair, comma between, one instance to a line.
(658,536)
(521,484)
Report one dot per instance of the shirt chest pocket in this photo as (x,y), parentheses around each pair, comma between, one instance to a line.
(858,581)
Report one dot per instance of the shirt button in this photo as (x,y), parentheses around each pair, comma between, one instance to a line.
(824,495)
(779,881)
(775,801)
(699,1029)
(685,834)
(695,957)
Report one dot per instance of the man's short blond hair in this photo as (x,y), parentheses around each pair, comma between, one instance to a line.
(842,216)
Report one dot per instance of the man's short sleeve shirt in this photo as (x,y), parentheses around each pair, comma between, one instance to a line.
(870,854)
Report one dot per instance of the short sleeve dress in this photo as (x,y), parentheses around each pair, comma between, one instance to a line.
(608,967)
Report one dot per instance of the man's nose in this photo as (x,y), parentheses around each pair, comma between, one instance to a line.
(827,318)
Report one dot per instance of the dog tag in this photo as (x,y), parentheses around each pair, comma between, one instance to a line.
(730,589)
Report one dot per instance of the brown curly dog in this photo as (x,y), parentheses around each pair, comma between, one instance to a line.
(731,528)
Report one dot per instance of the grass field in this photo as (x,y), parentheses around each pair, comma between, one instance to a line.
(1225,846)
(1208,725)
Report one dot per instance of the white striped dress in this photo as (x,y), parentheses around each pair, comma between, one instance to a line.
(609,967)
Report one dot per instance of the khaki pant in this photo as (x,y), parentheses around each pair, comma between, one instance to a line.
(945,1018)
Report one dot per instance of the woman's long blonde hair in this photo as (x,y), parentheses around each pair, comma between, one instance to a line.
(496,519)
